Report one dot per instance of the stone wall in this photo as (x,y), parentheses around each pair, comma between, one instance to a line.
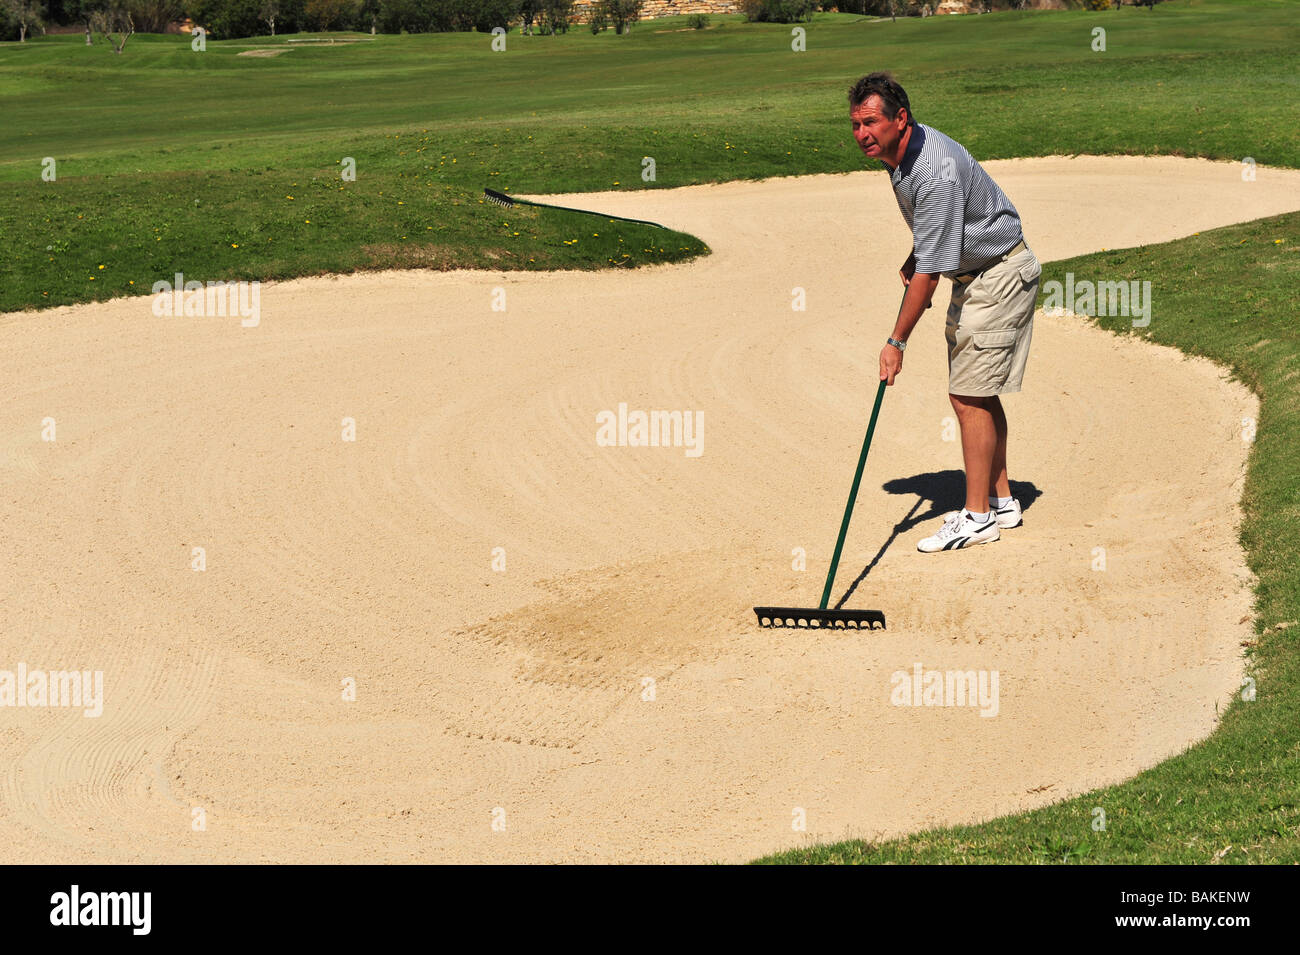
(653,9)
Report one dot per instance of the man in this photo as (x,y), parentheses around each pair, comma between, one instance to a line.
(964,228)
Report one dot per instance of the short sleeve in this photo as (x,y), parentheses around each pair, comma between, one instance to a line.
(938,224)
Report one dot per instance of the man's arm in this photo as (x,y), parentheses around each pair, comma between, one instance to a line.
(908,269)
(920,290)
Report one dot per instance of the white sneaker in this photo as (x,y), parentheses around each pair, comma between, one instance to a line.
(1009,516)
(958,531)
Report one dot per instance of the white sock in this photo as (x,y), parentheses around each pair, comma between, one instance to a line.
(978,518)
(999,502)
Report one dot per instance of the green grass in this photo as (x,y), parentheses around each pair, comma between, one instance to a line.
(431,120)
(1241,786)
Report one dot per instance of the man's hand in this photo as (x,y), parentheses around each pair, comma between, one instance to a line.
(891,363)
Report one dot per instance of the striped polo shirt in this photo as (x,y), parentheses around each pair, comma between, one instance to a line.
(960,219)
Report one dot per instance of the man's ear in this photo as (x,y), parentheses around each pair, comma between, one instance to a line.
(906,115)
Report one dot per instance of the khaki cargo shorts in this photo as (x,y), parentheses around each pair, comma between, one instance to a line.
(990,323)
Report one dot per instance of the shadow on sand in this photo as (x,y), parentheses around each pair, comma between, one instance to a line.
(943,491)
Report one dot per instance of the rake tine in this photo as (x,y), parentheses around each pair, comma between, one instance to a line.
(800,618)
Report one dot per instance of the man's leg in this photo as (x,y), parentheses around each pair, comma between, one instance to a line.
(998,484)
(979,444)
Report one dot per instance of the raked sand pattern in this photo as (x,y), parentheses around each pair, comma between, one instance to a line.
(523,696)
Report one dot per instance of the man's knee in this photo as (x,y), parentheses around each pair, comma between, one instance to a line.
(971,404)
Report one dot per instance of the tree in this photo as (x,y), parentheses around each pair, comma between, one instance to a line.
(557,14)
(326,14)
(415,16)
(114,17)
(484,15)
(270,10)
(529,11)
(28,14)
(82,11)
(369,13)
(621,13)
(154,16)
(227,18)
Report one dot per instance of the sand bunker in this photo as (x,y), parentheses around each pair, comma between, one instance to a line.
(607,696)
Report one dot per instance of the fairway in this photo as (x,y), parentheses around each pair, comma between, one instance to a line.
(366,581)
(230,166)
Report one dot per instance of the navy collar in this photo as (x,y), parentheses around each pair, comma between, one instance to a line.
(913,150)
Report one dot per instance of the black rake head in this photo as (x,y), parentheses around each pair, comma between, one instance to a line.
(816,619)
(500,198)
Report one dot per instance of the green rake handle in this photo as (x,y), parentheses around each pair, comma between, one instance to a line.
(853,496)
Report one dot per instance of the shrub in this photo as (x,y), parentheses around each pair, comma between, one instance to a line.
(483,15)
(698,21)
(425,16)
(556,15)
(777,11)
(329,14)
(227,18)
(153,16)
(619,13)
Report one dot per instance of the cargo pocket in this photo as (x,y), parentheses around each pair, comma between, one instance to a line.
(992,357)
(989,341)
(1030,271)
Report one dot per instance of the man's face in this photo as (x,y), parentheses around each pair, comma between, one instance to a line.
(877,136)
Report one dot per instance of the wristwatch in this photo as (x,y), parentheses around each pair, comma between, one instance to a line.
(896,343)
